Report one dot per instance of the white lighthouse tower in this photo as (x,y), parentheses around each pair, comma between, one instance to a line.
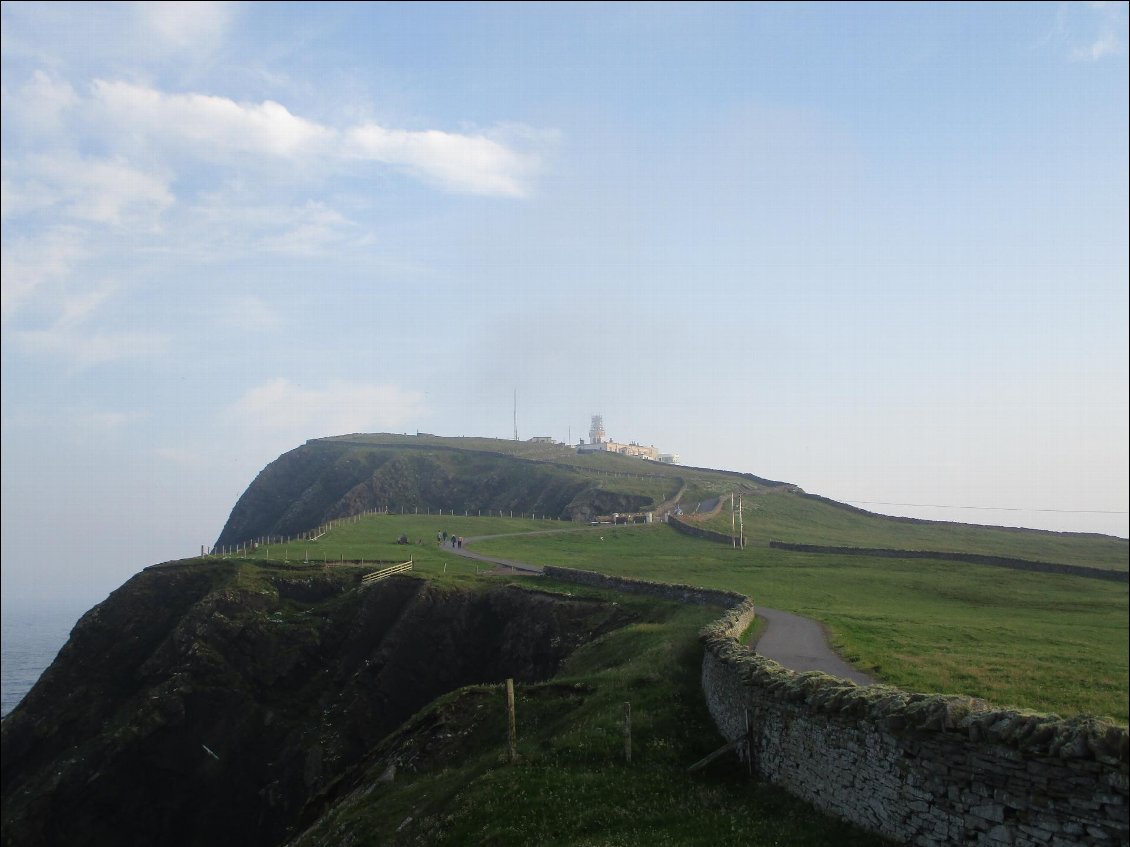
(597,435)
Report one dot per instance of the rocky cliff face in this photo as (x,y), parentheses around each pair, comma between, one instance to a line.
(322,480)
(201,703)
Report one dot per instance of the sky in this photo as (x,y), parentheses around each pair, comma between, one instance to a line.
(877,251)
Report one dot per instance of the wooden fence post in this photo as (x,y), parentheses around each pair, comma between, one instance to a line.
(511,724)
(628,732)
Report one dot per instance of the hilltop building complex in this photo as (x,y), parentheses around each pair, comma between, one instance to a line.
(600,443)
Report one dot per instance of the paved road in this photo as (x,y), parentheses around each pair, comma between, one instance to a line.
(799,644)
(494,560)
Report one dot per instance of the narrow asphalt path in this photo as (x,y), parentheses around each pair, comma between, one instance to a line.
(492,560)
(801,644)
(797,643)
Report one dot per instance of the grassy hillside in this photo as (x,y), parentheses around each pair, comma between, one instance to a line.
(330,478)
(347,475)
(787,515)
(1041,641)
(572,784)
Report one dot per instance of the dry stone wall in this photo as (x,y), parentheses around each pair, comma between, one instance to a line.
(698,532)
(662,590)
(974,558)
(920,769)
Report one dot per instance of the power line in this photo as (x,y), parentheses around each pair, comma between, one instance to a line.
(984,508)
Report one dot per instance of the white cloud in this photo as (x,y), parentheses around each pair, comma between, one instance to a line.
(78,307)
(308,230)
(468,163)
(68,336)
(181,26)
(1106,44)
(217,128)
(24,199)
(1089,32)
(39,107)
(102,191)
(85,350)
(248,313)
(294,414)
(26,264)
(229,222)
(213,125)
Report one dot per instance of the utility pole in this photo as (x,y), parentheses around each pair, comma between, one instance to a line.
(733,537)
(741,525)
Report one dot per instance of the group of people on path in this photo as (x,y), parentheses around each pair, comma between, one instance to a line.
(444,539)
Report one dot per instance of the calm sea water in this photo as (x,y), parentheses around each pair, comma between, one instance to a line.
(29,640)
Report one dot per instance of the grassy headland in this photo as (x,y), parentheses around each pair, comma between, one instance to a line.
(1047,642)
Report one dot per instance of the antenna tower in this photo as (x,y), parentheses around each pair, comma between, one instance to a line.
(515,414)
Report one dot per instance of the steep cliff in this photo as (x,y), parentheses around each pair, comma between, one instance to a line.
(219,703)
(326,479)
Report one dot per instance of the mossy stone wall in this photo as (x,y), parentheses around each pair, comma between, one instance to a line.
(918,768)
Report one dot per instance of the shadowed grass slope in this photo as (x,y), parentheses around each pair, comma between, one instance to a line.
(572,784)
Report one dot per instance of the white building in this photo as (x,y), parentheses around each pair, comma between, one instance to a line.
(600,443)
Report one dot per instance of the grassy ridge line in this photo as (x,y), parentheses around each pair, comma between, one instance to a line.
(796,518)
(533,454)
(705,482)
(1047,642)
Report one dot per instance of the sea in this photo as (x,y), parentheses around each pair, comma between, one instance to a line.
(30,638)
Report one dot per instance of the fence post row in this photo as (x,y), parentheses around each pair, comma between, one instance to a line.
(314,534)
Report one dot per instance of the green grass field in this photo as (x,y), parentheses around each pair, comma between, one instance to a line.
(1040,641)
(785,516)
(374,537)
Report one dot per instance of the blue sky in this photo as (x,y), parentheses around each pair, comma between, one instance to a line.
(879,251)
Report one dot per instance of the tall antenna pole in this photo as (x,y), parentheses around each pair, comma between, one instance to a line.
(515,414)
